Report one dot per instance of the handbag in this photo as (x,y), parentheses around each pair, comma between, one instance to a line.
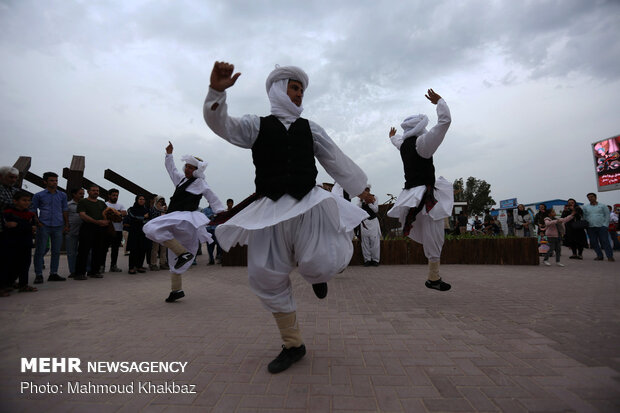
(580,224)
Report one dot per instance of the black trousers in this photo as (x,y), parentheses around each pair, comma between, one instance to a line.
(91,240)
(16,260)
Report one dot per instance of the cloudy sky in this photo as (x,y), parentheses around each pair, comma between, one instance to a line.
(530,84)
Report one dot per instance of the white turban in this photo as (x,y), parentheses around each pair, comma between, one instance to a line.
(198,163)
(414,125)
(287,73)
(277,84)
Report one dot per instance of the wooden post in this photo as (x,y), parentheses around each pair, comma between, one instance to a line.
(75,173)
(22,165)
(126,184)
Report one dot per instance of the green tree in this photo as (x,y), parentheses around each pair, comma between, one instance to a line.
(476,192)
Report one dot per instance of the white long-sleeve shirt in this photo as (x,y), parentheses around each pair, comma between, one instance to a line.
(198,187)
(428,142)
(243,132)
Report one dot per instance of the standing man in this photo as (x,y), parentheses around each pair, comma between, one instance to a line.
(50,205)
(92,235)
(293,221)
(183,228)
(597,216)
(114,242)
(8,178)
(370,232)
(72,237)
(425,201)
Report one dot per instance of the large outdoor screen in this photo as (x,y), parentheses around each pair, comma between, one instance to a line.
(607,163)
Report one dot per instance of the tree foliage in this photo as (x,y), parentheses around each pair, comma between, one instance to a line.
(476,192)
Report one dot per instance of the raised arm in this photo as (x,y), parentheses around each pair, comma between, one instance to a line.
(175,175)
(397,140)
(427,144)
(242,131)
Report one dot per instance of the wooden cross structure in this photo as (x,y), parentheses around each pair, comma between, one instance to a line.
(74,175)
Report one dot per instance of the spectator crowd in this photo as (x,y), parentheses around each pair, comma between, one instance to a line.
(34,225)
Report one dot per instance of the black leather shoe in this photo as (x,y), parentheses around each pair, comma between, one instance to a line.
(175,295)
(286,358)
(183,259)
(320,290)
(438,285)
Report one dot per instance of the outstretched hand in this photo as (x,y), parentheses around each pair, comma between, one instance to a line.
(432,96)
(222,76)
(392,131)
(169,148)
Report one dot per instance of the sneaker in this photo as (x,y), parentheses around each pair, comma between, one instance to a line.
(438,285)
(579,257)
(547,263)
(599,259)
(374,263)
(286,358)
(211,262)
(367,264)
(38,279)
(320,290)
(95,275)
(154,267)
(559,264)
(175,295)
(80,277)
(572,257)
(56,277)
(611,259)
(114,268)
(183,259)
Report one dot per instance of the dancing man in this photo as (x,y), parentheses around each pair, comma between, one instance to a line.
(184,226)
(293,221)
(425,201)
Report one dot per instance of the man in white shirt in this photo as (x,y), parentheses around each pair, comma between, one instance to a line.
(115,242)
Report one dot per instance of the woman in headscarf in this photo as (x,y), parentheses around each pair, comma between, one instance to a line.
(425,201)
(523,221)
(293,221)
(575,233)
(137,215)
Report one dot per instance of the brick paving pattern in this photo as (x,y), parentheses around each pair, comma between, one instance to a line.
(506,338)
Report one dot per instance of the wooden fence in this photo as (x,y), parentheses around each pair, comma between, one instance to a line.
(475,251)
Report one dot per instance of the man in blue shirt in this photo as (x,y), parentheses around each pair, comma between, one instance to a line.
(597,216)
(50,205)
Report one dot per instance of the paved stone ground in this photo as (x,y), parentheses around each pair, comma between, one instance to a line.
(506,338)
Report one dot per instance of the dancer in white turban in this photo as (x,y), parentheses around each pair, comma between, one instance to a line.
(293,222)
(370,232)
(184,226)
(425,202)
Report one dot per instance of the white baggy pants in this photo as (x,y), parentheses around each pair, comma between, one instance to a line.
(370,232)
(310,240)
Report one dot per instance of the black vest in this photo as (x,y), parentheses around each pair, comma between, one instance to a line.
(284,159)
(418,170)
(370,212)
(182,200)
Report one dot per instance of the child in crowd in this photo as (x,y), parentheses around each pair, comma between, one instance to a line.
(553,235)
(18,228)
